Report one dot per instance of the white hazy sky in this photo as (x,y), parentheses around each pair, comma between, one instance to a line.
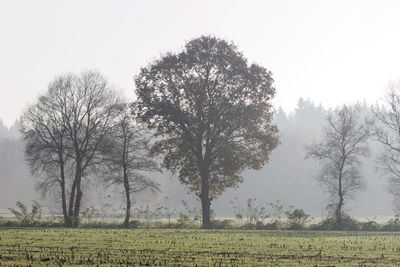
(333,52)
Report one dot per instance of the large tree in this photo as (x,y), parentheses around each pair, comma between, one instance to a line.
(127,158)
(212,114)
(344,142)
(90,108)
(43,127)
(67,127)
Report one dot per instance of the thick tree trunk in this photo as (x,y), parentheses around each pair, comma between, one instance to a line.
(206,208)
(205,197)
(128,200)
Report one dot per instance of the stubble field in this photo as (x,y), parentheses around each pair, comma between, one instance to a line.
(74,247)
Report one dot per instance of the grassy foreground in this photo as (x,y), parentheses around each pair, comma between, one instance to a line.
(69,247)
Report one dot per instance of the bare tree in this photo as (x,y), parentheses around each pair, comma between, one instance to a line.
(345,141)
(127,157)
(69,123)
(43,127)
(90,109)
(387,132)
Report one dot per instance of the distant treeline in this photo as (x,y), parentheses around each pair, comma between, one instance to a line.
(204,114)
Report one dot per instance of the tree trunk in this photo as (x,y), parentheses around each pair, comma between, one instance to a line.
(205,206)
(71,204)
(205,198)
(63,197)
(72,200)
(128,200)
(338,211)
(64,203)
(79,195)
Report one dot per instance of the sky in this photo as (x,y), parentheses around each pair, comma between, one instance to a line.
(332,52)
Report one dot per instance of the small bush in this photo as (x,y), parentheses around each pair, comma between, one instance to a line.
(24,217)
(134,224)
(222,224)
(274,225)
(297,219)
(248,226)
(330,223)
(370,226)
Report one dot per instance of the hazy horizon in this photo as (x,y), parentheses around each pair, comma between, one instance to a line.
(295,185)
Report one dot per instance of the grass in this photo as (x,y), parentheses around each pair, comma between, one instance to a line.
(106,247)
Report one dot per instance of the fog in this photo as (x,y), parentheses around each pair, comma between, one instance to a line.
(331,52)
(288,177)
(15,180)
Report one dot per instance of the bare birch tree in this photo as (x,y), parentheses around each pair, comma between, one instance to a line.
(387,132)
(345,141)
(127,157)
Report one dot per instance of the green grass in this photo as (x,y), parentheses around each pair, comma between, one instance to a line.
(69,247)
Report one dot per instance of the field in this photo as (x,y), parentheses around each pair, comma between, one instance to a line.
(72,247)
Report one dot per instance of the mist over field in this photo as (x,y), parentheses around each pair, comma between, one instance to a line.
(289,63)
(288,177)
(200,133)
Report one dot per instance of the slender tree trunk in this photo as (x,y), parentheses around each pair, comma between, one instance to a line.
(128,200)
(63,197)
(340,203)
(79,195)
(71,204)
(339,211)
(64,202)
(72,200)
(204,197)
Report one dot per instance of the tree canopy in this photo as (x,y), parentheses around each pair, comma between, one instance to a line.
(64,131)
(211,112)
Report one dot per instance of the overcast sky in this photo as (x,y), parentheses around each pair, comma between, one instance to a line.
(332,52)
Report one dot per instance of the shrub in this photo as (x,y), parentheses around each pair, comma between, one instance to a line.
(274,225)
(222,224)
(24,217)
(369,226)
(297,219)
(348,224)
